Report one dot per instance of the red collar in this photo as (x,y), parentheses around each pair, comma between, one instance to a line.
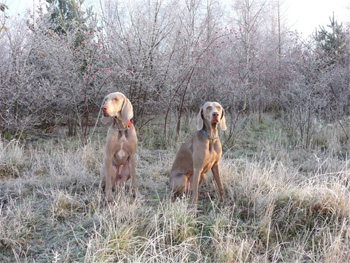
(115,123)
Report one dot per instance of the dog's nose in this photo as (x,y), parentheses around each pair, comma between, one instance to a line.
(216,115)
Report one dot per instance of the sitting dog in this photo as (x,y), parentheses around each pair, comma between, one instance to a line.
(200,154)
(120,150)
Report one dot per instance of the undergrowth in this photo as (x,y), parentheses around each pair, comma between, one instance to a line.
(283,203)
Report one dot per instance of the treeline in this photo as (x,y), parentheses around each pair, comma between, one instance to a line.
(168,56)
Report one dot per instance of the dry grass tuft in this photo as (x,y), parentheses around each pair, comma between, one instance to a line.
(11,159)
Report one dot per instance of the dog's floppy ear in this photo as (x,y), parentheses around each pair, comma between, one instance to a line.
(106,120)
(127,111)
(199,122)
(223,121)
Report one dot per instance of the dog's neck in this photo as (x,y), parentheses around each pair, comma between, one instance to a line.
(120,126)
(210,130)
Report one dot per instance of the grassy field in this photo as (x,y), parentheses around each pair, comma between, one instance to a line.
(283,203)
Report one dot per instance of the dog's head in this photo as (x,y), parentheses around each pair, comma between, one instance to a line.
(116,105)
(213,113)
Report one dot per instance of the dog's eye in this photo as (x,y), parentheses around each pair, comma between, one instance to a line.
(209,108)
(218,108)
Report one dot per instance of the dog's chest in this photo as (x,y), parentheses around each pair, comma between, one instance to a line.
(209,164)
(211,159)
(122,151)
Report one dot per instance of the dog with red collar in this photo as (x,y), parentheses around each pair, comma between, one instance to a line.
(119,164)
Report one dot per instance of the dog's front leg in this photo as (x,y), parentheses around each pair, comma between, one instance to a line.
(108,189)
(132,169)
(198,157)
(195,184)
(216,174)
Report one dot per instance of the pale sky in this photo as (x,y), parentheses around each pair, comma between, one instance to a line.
(301,15)
(306,15)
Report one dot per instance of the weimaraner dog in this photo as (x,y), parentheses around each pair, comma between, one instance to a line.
(120,150)
(200,154)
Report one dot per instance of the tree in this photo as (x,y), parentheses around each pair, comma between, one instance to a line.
(3,27)
(332,42)
(333,52)
(68,20)
(66,15)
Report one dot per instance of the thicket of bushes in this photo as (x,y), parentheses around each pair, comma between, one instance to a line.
(168,57)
